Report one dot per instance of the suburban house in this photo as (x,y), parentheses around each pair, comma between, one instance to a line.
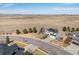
(73,49)
(52,33)
(74,36)
(11,50)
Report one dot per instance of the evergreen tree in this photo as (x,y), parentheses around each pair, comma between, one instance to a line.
(25,31)
(64,29)
(77,29)
(30,30)
(34,30)
(17,31)
(42,30)
(7,40)
(68,29)
(73,29)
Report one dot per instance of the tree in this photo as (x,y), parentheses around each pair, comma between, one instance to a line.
(34,30)
(68,29)
(7,40)
(42,30)
(64,29)
(25,31)
(73,29)
(77,29)
(17,31)
(30,30)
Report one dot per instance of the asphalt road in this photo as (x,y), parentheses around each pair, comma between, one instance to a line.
(50,49)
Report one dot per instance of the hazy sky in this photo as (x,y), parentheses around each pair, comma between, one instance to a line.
(40,8)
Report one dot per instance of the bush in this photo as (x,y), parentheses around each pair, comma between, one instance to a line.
(34,30)
(30,30)
(17,31)
(44,36)
(28,53)
(25,31)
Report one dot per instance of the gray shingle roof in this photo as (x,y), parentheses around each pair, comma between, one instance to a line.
(9,50)
(52,30)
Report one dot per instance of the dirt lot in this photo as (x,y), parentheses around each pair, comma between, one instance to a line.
(12,22)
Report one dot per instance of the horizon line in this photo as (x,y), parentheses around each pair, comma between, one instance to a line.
(39,14)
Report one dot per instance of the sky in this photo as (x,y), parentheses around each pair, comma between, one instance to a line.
(39,8)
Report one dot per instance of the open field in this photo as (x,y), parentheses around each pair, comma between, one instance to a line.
(10,23)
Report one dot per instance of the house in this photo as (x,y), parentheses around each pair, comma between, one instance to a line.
(74,36)
(73,49)
(52,33)
(11,50)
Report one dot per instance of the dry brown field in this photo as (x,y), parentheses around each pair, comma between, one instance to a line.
(9,23)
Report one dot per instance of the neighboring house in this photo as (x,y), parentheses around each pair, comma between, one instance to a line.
(11,50)
(73,49)
(74,36)
(52,33)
